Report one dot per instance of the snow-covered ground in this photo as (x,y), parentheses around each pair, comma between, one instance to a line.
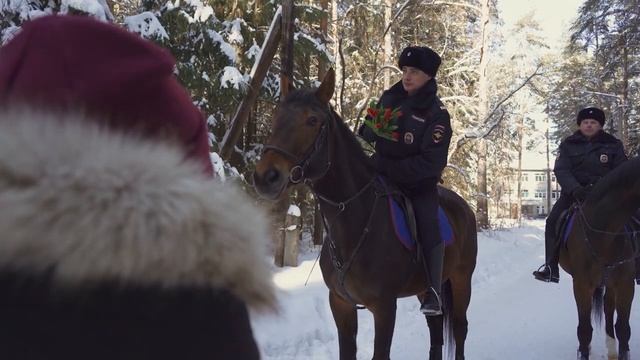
(512,316)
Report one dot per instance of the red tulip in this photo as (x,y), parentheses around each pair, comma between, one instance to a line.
(387,115)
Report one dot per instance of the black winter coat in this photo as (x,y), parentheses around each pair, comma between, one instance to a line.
(421,152)
(582,162)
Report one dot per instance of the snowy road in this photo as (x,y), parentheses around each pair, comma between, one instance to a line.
(511,315)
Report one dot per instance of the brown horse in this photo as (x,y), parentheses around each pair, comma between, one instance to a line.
(361,261)
(599,257)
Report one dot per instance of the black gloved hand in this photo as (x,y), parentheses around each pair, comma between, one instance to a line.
(580,193)
(367,134)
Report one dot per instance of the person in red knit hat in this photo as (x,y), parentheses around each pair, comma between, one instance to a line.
(115,242)
(80,64)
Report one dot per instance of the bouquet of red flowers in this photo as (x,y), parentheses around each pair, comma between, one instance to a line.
(383,121)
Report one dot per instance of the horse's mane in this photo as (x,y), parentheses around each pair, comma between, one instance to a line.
(307,97)
(620,179)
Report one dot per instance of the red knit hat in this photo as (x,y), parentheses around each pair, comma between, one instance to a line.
(79,63)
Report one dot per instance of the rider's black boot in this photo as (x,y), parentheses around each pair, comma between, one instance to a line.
(548,273)
(432,304)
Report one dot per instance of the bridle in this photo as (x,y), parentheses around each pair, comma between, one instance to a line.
(298,172)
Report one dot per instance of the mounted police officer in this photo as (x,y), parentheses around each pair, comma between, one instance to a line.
(415,160)
(584,157)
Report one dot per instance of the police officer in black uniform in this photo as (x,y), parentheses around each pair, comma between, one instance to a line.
(415,161)
(584,158)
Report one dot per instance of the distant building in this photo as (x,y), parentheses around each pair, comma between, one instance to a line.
(534,190)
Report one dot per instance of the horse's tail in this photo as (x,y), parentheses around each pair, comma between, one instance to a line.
(447,303)
(597,305)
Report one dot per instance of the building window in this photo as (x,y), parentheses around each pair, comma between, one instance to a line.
(540,177)
(553,178)
(541,195)
(525,177)
(524,193)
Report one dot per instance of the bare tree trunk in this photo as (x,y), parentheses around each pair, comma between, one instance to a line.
(483,108)
(549,190)
(387,41)
(520,132)
(623,126)
(324,30)
(318,233)
(286,48)
(335,34)
(482,208)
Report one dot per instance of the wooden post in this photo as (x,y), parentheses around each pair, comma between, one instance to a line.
(292,236)
(258,73)
(278,213)
(318,226)
(286,82)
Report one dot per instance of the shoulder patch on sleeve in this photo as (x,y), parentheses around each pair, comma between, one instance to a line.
(438,133)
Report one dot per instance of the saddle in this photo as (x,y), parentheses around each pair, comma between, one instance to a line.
(403,217)
(565,224)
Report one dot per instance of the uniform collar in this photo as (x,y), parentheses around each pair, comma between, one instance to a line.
(601,137)
(423,98)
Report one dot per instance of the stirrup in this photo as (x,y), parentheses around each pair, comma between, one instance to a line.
(540,274)
(431,312)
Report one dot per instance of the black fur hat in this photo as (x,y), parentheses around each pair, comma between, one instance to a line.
(591,113)
(420,57)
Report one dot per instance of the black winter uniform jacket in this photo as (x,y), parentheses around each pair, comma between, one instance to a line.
(582,162)
(421,152)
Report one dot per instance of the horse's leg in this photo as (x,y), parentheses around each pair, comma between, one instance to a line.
(436,331)
(384,316)
(609,309)
(624,298)
(461,296)
(346,319)
(583,296)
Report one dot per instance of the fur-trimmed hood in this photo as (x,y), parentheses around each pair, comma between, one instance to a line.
(91,205)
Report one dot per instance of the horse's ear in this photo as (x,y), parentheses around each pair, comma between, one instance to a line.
(325,91)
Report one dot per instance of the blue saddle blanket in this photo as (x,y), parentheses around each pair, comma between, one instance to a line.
(401,227)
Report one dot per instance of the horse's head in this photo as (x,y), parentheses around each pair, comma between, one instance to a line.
(298,148)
